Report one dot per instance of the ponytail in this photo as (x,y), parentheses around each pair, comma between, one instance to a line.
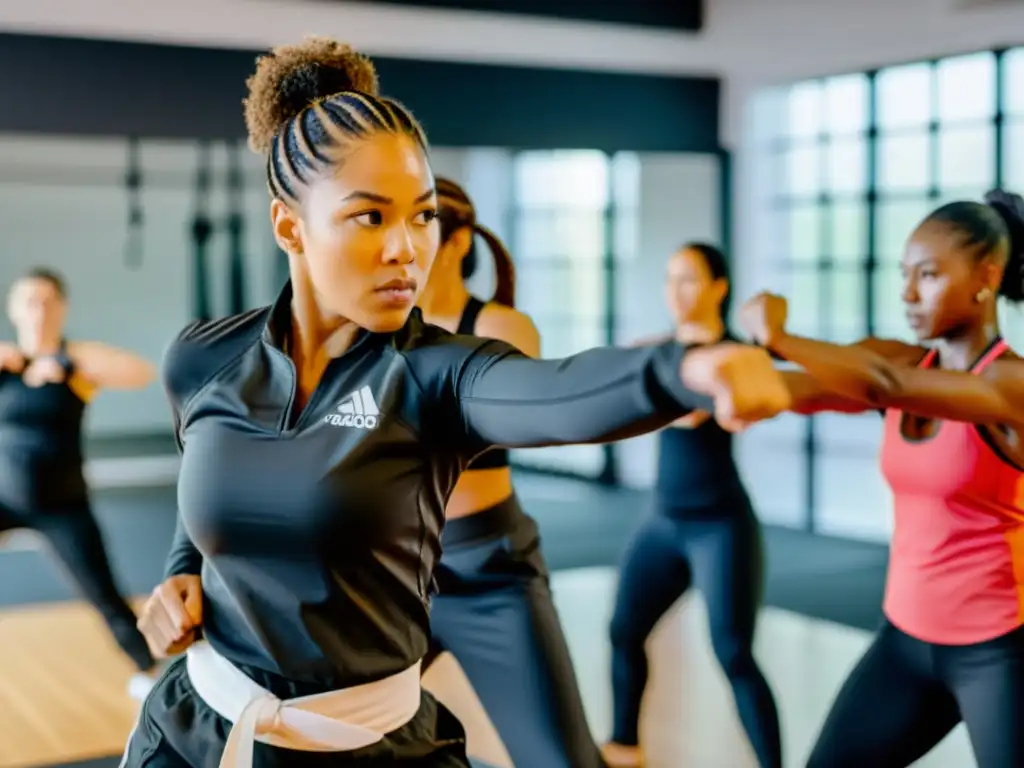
(504,269)
(455,211)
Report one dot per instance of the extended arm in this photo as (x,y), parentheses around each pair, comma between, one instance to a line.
(862,372)
(885,374)
(810,396)
(893,381)
(826,384)
(506,399)
(690,420)
(807,393)
(101,366)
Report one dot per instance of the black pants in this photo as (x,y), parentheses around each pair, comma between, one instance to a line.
(720,551)
(176,729)
(494,613)
(76,539)
(905,695)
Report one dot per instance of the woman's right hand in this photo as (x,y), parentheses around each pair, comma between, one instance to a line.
(742,379)
(172,616)
(764,317)
(11,358)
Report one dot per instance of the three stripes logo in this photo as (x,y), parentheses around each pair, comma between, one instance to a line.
(358,410)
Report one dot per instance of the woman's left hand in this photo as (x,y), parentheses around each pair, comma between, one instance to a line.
(741,379)
(764,317)
(46,370)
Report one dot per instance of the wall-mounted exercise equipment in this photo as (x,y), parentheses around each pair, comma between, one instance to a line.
(236,229)
(201,231)
(136,219)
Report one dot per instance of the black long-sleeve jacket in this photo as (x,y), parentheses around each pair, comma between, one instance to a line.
(316,531)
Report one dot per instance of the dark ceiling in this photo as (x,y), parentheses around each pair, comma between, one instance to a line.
(103,87)
(667,14)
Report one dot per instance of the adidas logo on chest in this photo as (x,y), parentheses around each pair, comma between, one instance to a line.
(358,410)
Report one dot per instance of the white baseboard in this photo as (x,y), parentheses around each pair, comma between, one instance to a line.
(130,472)
(138,472)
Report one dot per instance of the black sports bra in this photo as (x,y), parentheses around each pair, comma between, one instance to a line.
(41,442)
(496,458)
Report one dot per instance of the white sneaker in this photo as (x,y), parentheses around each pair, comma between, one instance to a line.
(140,685)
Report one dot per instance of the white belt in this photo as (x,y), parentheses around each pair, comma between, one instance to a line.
(337,721)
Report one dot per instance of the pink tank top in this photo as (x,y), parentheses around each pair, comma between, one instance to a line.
(956,563)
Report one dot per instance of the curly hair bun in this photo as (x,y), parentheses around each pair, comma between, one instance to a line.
(292,77)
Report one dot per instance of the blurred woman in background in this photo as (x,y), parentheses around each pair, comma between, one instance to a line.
(46,383)
(703,533)
(493,610)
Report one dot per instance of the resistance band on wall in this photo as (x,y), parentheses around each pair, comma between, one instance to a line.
(236,229)
(202,231)
(136,219)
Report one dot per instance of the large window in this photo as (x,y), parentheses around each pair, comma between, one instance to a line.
(822,160)
(561,239)
(857,161)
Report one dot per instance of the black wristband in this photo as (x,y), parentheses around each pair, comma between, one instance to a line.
(667,368)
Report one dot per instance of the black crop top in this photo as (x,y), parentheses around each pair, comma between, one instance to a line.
(496,458)
(316,532)
(41,442)
(697,468)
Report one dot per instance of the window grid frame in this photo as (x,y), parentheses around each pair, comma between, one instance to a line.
(554,262)
(825,264)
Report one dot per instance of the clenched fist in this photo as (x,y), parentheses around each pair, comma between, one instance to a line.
(45,370)
(741,379)
(172,616)
(11,359)
(764,317)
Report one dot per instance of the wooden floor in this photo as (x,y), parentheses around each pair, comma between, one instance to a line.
(62,684)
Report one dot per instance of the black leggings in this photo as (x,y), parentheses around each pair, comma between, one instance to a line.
(720,551)
(76,539)
(494,613)
(905,695)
